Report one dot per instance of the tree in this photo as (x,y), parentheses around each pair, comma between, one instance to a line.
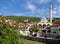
(8,35)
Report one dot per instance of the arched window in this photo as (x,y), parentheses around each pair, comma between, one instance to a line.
(48,25)
(44,25)
(39,24)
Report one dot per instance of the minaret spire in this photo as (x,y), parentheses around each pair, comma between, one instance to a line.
(50,11)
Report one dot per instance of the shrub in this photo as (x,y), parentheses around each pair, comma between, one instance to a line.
(8,35)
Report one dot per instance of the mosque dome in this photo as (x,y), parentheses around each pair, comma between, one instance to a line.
(44,19)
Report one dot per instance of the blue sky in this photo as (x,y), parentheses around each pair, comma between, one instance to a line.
(36,8)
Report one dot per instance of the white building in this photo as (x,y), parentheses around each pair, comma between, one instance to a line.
(43,22)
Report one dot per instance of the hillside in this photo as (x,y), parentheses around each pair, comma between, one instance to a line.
(22,18)
(30,19)
(9,35)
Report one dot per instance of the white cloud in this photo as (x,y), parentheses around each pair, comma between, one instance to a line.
(57,15)
(34,10)
(58,8)
(55,8)
(58,0)
(56,11)
(38,1)
(40,11)
(41,1)
(31,7)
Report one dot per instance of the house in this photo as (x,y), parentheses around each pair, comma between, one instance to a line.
(55,26)
(20,25)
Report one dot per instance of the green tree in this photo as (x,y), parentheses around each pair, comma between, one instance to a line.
(8,35)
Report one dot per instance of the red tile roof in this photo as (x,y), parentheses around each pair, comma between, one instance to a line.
(55,24)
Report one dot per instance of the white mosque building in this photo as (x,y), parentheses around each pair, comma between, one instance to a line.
(44,21)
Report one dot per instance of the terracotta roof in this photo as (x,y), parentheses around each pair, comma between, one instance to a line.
(55,24)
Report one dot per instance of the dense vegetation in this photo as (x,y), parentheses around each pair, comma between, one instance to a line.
(30,19)
(22,18)
(8,35)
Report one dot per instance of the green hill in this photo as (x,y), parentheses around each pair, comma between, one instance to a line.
(9,35)
(30,19)
(22,18)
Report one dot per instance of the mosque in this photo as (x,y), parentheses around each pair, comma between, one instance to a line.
(53,26)
(44,21)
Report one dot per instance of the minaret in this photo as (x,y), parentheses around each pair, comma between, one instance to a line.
(50,12)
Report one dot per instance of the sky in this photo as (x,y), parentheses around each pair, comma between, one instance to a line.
(34,8)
